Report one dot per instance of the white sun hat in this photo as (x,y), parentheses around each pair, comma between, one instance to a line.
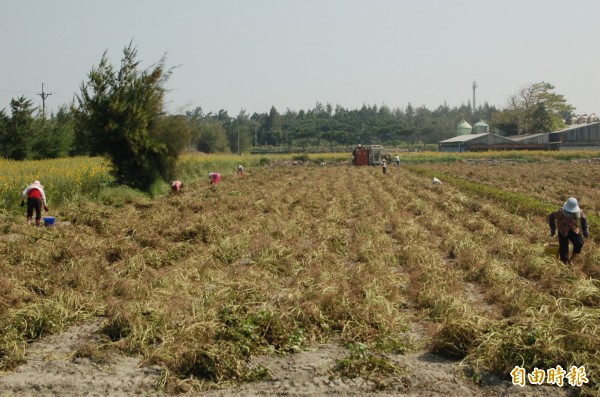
(571,205)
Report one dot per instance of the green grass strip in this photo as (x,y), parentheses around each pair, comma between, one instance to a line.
(518,203)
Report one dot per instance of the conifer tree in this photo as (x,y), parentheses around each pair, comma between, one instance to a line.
(119,115)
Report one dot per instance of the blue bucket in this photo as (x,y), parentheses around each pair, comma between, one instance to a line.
(48,221)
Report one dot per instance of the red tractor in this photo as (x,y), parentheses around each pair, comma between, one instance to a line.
(368,155)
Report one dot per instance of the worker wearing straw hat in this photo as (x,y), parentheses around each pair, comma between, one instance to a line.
(36,198)
(568,220)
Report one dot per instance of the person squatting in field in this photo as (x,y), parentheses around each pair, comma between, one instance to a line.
(567,220)
(240,169)
(176,186)
(214,178)
(36,198)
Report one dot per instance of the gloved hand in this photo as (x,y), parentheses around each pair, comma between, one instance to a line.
(22,203)
(46,208)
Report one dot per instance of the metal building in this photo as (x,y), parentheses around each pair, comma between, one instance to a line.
(576,136)
(580,136)
(471,142)
(539,141)
(542,137)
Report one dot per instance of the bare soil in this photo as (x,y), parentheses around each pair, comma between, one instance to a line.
(54,369)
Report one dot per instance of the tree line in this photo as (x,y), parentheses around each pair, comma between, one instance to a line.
(325,125)
(120,113)
(24,134)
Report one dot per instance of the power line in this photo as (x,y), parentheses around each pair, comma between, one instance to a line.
(31,93)
(474,107)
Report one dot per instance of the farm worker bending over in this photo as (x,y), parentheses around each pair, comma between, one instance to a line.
(214,178)
(567,220)
(384,165)
(35,199)
(176,186)
(397,159)
(240,169)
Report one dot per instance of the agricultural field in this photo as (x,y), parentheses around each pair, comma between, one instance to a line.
(70,180)
(211,287)
(547,180)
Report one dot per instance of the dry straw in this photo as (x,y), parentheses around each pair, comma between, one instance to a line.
(288,257)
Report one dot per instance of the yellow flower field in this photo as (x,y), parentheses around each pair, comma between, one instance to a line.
(67,178)
(63,179)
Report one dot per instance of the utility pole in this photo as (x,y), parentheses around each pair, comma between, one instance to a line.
(474,107)
(44,95)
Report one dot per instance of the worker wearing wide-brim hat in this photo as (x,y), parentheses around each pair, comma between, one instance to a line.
(571,224)
(36,198)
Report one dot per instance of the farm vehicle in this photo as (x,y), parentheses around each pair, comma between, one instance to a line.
(369,155)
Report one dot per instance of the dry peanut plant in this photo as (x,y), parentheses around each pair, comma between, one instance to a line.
(288,257)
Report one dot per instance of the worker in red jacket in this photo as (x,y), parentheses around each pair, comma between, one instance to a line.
(214,178)
(36,198)
(176,186)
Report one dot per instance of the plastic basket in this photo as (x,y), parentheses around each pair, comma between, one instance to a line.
(49,221)
(551,248)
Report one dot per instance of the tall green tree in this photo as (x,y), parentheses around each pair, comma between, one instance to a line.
(174,131)
(535,108)
(55,136)
(18,135)
(272,127)
(241,129)
(4,120)
(194,120)
(213,138)
(542,119)
(120,113)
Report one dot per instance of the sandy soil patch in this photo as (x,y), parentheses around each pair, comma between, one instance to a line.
(52,369)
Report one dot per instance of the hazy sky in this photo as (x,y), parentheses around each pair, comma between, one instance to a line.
(291,54)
